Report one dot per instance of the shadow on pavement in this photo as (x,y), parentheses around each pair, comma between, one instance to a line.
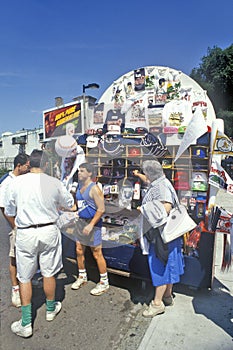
(215,304)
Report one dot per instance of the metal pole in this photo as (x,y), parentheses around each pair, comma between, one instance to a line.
(84,111)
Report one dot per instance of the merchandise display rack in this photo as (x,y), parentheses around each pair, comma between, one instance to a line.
(121,247)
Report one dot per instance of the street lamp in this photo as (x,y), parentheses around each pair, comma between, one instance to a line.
(89,86)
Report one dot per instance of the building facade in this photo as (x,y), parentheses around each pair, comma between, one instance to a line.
(22,141)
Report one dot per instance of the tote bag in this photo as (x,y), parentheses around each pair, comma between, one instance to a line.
(178,223)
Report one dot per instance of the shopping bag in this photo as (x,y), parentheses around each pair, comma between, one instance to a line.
(178,223)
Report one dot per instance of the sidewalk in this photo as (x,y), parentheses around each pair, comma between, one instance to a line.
(200,319)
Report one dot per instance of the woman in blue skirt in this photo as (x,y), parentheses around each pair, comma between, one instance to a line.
(166,261)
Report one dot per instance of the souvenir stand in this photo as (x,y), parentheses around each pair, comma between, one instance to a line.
(151,113)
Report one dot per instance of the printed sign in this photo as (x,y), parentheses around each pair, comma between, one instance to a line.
(65,120)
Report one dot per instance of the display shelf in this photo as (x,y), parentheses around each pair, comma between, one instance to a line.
(128,257)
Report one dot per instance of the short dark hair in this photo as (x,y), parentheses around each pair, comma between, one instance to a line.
(38,158)
(21,158)
(89,167)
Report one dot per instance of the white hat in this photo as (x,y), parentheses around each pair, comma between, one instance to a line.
(92,141)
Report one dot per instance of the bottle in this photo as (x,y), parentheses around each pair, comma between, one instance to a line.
(136,192)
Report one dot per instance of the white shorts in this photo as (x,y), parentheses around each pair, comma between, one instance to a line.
(38,245)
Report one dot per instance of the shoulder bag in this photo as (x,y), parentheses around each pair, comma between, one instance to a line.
(178,223)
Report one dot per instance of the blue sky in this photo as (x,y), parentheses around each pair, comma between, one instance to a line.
(51,48)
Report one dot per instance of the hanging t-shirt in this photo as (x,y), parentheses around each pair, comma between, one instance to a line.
(177,113)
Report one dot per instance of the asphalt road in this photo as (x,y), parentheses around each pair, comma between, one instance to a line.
(112,321)
(86,322)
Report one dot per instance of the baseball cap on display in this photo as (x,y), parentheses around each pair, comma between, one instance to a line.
(170,130)
(113,129)
(92,141)
(141,130)
(199,181)
(181,129)
(166,163)
(129,131)
(199,152)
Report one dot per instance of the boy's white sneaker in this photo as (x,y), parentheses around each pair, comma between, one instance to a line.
(79,283)
(100,288)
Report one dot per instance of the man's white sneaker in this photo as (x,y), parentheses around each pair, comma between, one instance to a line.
(79,283)
(15,298)
(100,288)
(22,331)
(50,315)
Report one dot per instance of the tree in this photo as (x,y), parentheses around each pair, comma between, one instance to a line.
(215,75)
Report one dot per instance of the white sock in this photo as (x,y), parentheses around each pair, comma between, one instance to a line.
(104,278)
(15,288)
(82,274)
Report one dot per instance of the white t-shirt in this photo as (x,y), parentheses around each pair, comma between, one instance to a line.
(4,187)
(177,113)
(35,198)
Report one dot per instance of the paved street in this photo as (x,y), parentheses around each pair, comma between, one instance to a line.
(85,322)
(200,318)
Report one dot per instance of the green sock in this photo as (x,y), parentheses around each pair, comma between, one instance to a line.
(50,305)
(26,314)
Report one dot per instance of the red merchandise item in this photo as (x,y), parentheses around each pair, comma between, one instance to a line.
(195,235)
(134,151)
(181,181)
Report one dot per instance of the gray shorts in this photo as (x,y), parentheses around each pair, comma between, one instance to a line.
(38,245)
(12,236)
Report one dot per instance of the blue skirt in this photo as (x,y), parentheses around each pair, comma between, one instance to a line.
(170,273)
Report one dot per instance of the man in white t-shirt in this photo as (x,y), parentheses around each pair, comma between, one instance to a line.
(21,165)
(35,200)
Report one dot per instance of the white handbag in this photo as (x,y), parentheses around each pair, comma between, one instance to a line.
(178,223)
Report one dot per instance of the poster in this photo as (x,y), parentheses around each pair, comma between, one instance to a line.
(65,120)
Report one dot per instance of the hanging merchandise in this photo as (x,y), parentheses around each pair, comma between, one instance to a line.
(111,144)
(193,239)
(92,141)
(200,207)
(140,131)
(134,151)
(199,182)
(114,188)
(177,113)
(153,145)
(181,180)
(199,152)
(137,190)
(114,118)
(125,194)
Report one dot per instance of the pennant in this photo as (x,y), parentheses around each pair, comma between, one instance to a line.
(219,178)
(196,128)
(222,144)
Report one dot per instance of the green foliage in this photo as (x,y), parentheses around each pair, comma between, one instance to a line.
(3,171)
(215,75)
(227,116)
